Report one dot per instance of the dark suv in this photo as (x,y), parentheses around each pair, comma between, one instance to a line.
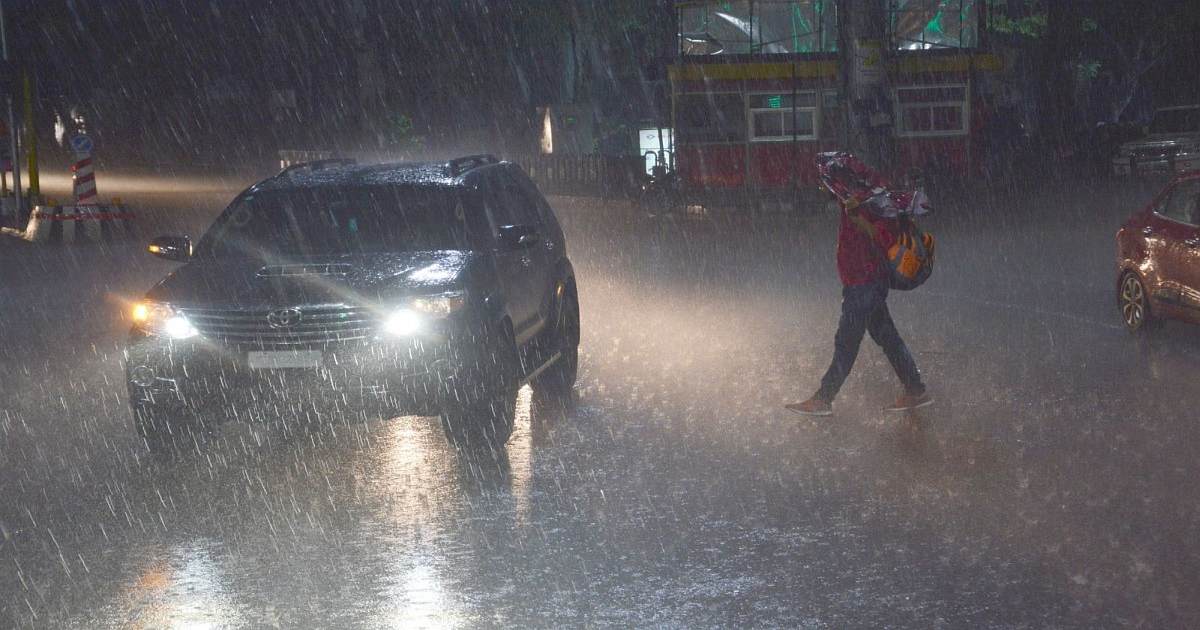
(431,289)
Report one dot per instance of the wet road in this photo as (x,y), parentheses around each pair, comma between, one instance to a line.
(1052,485)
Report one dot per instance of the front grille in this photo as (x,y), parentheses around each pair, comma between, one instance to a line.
(316,327)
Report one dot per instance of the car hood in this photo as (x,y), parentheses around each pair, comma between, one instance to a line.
(1156,140)
(363,279)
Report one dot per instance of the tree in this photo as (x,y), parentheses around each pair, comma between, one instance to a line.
(1112,44)
(1128,40)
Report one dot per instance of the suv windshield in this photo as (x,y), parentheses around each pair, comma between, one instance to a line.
(1176,121)
(325,221)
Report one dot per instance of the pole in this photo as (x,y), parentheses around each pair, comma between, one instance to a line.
(12,118)
(31,144)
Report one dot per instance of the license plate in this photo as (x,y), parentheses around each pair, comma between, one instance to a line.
(260,360)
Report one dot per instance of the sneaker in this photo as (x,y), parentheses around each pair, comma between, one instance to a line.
(812,407)
(908,402)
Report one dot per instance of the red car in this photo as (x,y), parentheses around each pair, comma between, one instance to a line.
(1158,257)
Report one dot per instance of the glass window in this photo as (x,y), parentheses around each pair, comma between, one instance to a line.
(931,111)
(953,93)
(715,28)
(784,26)
(332,220)
(710,117)
(925,24)
(1184,203)
(783,101)
(775,117)
(508,204)
(530,190)
(725,27)
(831,115)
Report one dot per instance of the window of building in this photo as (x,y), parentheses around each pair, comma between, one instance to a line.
(931,111)
(710,118)
(925,24)
(740,27)
(775,117)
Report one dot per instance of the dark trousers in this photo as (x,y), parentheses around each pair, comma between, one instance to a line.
(864,309)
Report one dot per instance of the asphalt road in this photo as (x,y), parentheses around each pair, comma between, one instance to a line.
(1051,485)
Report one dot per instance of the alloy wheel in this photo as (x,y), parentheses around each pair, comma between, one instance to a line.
(1133,302)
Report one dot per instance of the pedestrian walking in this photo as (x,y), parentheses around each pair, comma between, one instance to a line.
(868,227)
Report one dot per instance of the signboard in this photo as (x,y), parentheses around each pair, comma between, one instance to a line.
(868,64)
(81,143)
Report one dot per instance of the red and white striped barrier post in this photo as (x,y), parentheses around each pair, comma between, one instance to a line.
(83,171)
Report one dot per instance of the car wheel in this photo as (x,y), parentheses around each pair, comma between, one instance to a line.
(1134,303)
(166,429)
(558,380)
(481,414)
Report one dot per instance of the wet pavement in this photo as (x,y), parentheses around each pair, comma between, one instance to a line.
(1052,484)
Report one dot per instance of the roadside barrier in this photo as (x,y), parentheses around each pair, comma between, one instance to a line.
(77,223)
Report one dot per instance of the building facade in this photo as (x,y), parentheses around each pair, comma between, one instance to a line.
(758,88)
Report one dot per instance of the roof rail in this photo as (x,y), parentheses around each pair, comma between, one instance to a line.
(461,165)
(317,165)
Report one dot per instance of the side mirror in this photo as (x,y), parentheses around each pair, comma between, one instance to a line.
(177,248)
(519,236)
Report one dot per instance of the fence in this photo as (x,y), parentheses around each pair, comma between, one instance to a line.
(592,175)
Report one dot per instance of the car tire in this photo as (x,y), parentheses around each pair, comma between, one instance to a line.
(166,429)
(1134,303)
(558,381)
(480,415)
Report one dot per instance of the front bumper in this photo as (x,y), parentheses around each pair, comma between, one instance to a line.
(412,375)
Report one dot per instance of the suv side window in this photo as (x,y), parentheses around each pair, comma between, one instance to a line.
(479,232)
(521,208)
(491,194)
(1183,204)
(531,191)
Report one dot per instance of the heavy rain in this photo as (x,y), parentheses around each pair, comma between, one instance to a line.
(392,314)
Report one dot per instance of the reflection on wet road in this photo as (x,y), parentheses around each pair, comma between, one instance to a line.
(1051,485)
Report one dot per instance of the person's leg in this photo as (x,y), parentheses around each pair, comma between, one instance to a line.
(883,331)
(857,304)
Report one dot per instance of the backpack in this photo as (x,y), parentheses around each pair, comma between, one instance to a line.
(910,258)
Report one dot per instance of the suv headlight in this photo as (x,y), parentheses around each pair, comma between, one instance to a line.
(410,318)
(156,318)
